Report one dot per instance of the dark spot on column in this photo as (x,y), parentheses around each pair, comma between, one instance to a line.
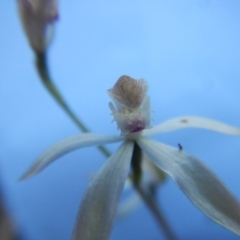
(180,147)
(184,120)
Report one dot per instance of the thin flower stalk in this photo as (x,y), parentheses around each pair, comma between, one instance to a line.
(136,177)
(41,65)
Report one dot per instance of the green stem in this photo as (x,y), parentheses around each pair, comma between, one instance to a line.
(155,209)
(148,197)
(42,69)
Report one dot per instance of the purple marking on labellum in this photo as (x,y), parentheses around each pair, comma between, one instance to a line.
(137,126)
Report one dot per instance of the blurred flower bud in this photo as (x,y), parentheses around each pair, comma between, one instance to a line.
(37,18)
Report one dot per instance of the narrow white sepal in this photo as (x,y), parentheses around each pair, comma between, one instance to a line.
(198,183)
(98,208)
(65,146)
(192,122)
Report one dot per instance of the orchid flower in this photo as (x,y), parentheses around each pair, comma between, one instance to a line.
(37,18)
(131,111)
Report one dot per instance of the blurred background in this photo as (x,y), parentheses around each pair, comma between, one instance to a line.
(188,51)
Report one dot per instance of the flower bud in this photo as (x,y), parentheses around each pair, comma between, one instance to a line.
(37,18)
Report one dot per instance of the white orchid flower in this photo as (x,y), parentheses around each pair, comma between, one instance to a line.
(132,114)
(37,18)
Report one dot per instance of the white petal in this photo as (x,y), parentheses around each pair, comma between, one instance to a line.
(199,184)
(98,208)
(192,122)
(65,146)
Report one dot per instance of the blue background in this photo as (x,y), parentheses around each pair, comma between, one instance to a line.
(188,51)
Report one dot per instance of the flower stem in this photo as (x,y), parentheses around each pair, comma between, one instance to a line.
(155,209)
(41,65)
(148,196)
